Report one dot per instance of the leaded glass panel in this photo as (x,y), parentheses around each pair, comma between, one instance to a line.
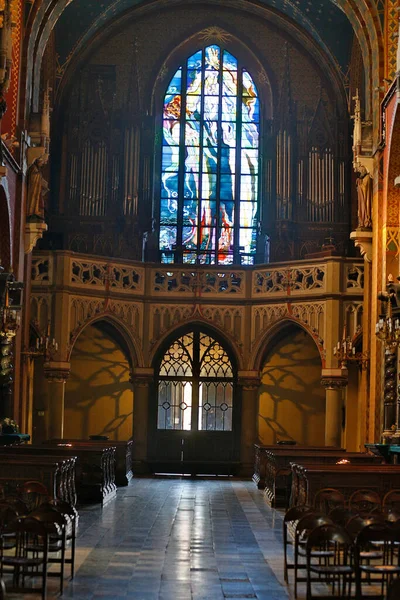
(210,152)
(195,385)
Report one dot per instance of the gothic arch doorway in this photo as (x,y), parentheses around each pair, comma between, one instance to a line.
(194,413)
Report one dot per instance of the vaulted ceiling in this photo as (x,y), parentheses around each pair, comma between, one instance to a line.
(322,19)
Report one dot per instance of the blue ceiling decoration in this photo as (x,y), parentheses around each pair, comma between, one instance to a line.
(322,19)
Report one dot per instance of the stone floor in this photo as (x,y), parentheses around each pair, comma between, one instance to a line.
(179,539)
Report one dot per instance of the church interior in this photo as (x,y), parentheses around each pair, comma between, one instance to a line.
(199,256)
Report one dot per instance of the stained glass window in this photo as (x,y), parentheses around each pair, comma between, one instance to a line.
(195,385)
(209,164)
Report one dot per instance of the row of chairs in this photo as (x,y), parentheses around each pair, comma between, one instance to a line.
(34,534)
(337,544)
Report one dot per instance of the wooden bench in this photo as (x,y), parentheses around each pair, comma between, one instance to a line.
(57,473)
(307,480)
(123,454)
(260,457)
(278,472)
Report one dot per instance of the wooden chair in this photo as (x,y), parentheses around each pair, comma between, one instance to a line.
(33,493)
(340,516)
(303,528)
(365,501)
(391,505)
(55,525)
(29,532)
(293,515)
(335,544)
(328,499)
(71,517)
(387,566)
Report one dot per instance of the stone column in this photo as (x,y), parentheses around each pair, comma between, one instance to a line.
(333,380)
(141,379)
(249,382)
(56,373)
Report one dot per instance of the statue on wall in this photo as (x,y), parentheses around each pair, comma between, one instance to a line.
(37,189)
(364,193)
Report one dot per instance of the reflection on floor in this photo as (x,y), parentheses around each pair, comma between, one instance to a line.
(179,539)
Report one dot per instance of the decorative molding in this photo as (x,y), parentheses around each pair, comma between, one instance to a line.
(249,380)
(334,379)
(57,372)
(354,277)
(363,241)
(295,280)
(141,376)
(33,233)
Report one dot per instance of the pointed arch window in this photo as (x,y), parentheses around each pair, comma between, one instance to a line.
(210,162)
(195,385)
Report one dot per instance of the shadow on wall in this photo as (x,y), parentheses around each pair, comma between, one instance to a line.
(98,397)
(292,400)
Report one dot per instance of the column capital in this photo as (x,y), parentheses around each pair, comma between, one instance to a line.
(57,371)
(249,380)
(141,376)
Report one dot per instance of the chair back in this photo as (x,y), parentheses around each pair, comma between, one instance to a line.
(296,512)
(358,522)
(340,516)
(330,537)
(310,521)
(365,501)
(33,493)
(394,590)
(327,499)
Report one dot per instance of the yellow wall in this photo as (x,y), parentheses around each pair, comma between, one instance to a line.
(292,400)
(98,396)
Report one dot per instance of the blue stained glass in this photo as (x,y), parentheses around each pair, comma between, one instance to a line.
(190,208)
(229,134)
(167,237)
(210,160)
(168,212)
(226,214)
(211,108)
(192,133)
(249,88)
(249,136)
(229,112)
(211,83)
(210,133)
(189,236)
(209,186)
(249,162)
(208,213)
(213,136)
(229,61)
(229,83)
(175,84)
(251,110)
(194,82)
(192,159)
(207,238)
(228,161)
(195,61)
(227,191)
(191,185)
(213,57)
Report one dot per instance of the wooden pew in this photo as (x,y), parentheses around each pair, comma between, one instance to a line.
(123,455)
(260,457)
(95,472)
(57,473)
(307,480)
(278,472)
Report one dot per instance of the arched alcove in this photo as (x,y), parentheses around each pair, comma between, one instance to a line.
(291,399)
(98,394)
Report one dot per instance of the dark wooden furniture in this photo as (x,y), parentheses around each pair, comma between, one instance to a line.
(56,472)
(123,454)
(307,480)
(278,472)
(260,459)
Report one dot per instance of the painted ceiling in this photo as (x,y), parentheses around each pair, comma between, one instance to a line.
(322,19)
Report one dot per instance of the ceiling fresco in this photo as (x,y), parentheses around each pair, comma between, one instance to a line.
(322,19)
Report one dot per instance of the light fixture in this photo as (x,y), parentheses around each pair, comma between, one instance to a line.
(44,346)
(345,351)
